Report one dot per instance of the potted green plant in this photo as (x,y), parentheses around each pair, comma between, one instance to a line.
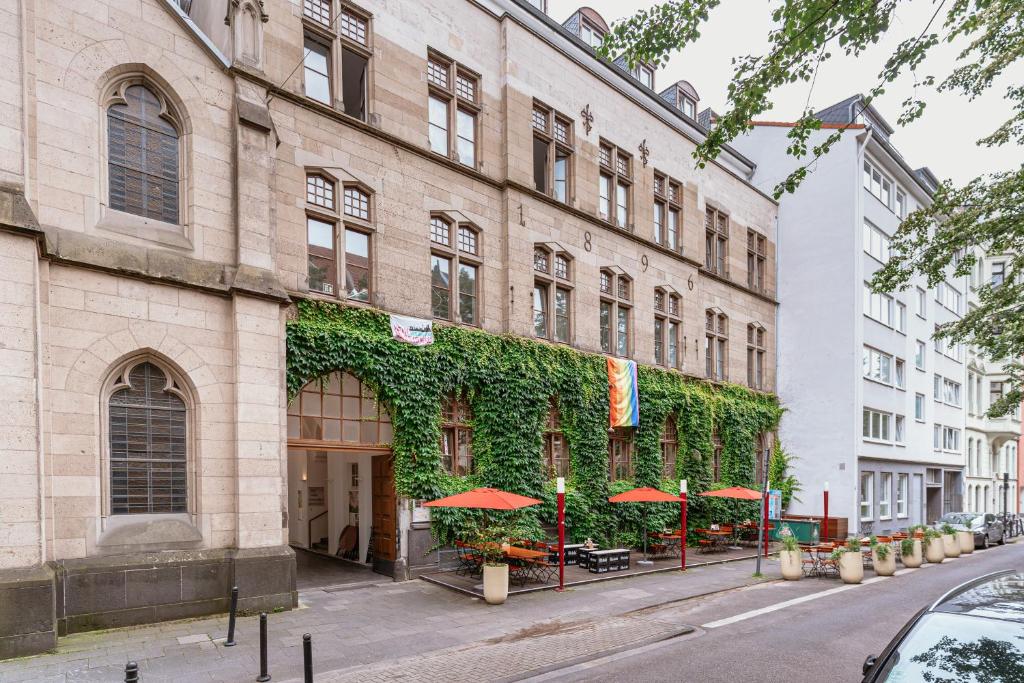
(883,559)
(850,561)
(491,540)
(933,550)
(789,557)
(950,543)
(910,551)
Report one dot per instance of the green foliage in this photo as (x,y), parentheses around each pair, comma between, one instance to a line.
(986,213)
(907,546)
(790,542)
(948,530)
(882,550)
(929,536)
(509,382)
(852,546)
(489,538)
(780,476)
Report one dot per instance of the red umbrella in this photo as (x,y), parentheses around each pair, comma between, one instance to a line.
(645,494)
(484,498)
(734,492)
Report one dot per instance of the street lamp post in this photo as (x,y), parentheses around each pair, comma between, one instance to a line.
(824,527)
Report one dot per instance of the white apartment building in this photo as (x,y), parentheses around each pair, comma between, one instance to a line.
(875,406)
(991,465)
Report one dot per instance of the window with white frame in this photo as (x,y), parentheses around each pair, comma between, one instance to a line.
(900,369)
(876,242)
(901,317)
(919,403)
(901,203)
(937,437)
(920,348)
(877,425)
(867,485)
(998,273)
(877,184)
(900,428)
(937,388)
(948,296)
(877,306)
(951,392)
(922,303)
(902,494)
(951,439)
(877,365)
(885,495)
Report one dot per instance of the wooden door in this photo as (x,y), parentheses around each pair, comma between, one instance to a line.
(385,512)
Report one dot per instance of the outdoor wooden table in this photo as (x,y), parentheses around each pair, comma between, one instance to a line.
(716,536)
(821,556)
(670,541)
(525,553)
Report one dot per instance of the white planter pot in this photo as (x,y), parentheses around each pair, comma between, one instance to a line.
(851,567)
(495,583)
(886,567)
(914,559)
(950,545)
(935,553)
(966,539)
(792,568)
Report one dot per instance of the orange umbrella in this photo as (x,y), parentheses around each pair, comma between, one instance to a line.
(645,494)
(484,498)
(734,492)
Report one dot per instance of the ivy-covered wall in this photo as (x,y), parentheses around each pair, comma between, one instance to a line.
(509,382)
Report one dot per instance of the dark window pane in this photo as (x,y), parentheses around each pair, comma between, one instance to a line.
(540,164)
(353,83)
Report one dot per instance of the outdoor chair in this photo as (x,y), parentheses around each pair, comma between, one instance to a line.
(469,561)
(519,571)
(542,570)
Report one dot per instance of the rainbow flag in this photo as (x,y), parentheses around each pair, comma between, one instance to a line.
(623,404)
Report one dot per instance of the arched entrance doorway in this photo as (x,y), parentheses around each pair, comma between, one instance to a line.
(341,488)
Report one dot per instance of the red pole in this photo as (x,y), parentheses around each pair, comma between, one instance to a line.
(682,525)
(561,534)
(824,531)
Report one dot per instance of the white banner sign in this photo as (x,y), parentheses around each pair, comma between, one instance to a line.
(413,331)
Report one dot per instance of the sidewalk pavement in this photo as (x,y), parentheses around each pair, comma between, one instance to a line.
(371,632)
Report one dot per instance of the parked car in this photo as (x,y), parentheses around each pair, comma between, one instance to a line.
(987,527)
(972,634)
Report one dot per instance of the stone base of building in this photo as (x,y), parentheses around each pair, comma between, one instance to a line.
(72,596)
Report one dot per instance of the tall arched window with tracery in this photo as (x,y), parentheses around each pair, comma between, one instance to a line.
(143,153)
(148,442)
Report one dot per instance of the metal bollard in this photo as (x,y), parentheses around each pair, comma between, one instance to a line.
(230,642)
(307,658)
(131,673)
(264,676)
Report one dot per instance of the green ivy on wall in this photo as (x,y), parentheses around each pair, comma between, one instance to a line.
(509,383)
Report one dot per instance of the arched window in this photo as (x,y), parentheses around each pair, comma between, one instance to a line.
(552,293)
(148,443)
(143,155)
(669,449)
(456,436)
(556,454)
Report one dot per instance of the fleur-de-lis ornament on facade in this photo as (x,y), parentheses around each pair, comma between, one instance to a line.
(645,153)
(588,118)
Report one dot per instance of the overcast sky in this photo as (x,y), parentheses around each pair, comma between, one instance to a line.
(944,139)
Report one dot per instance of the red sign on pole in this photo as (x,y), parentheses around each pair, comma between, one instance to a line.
(561,534)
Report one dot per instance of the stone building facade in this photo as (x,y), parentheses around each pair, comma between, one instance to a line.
(174,174)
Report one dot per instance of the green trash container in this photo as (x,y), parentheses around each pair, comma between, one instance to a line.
(805,530)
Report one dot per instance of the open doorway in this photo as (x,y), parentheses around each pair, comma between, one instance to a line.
(342,507)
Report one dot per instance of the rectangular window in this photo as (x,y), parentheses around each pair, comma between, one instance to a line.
(622,332)
(323,268)
(876,242)
(878,306)
(357,265)
(937,437)
(877,425)
(995,393)
(318,10)
(659,221)
(667,208)
(562,303)
(922,303)
(440,287)
(937,388)
(673,229)
(902,494)
(878,184)
(673,344)
(354,67)
(885,495)
(540,310)
(998,273)
(901,203)
(867,485)
(605,196)
(877,365)
(552,148)
(901,317)
(606,327)
(919,352)
(561,175)
(756,259)
(919,407)
(316,72)
(438,125)
(467,293)
(951,393)
(465,130)
(622,205)
(659,341)
(900,426)
(901,374)
(716,240)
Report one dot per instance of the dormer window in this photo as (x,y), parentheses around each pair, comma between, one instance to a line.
(591,35)
(688,106)
(645,75)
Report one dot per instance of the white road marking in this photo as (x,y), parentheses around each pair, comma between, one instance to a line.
(790,603)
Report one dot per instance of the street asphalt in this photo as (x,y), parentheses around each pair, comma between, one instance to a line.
(755,634)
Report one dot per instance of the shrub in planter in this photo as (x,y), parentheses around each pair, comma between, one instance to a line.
(789,557)
(910,552)
(491,540)
(883,559)
(950,543)
(850,560)
(933,550)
